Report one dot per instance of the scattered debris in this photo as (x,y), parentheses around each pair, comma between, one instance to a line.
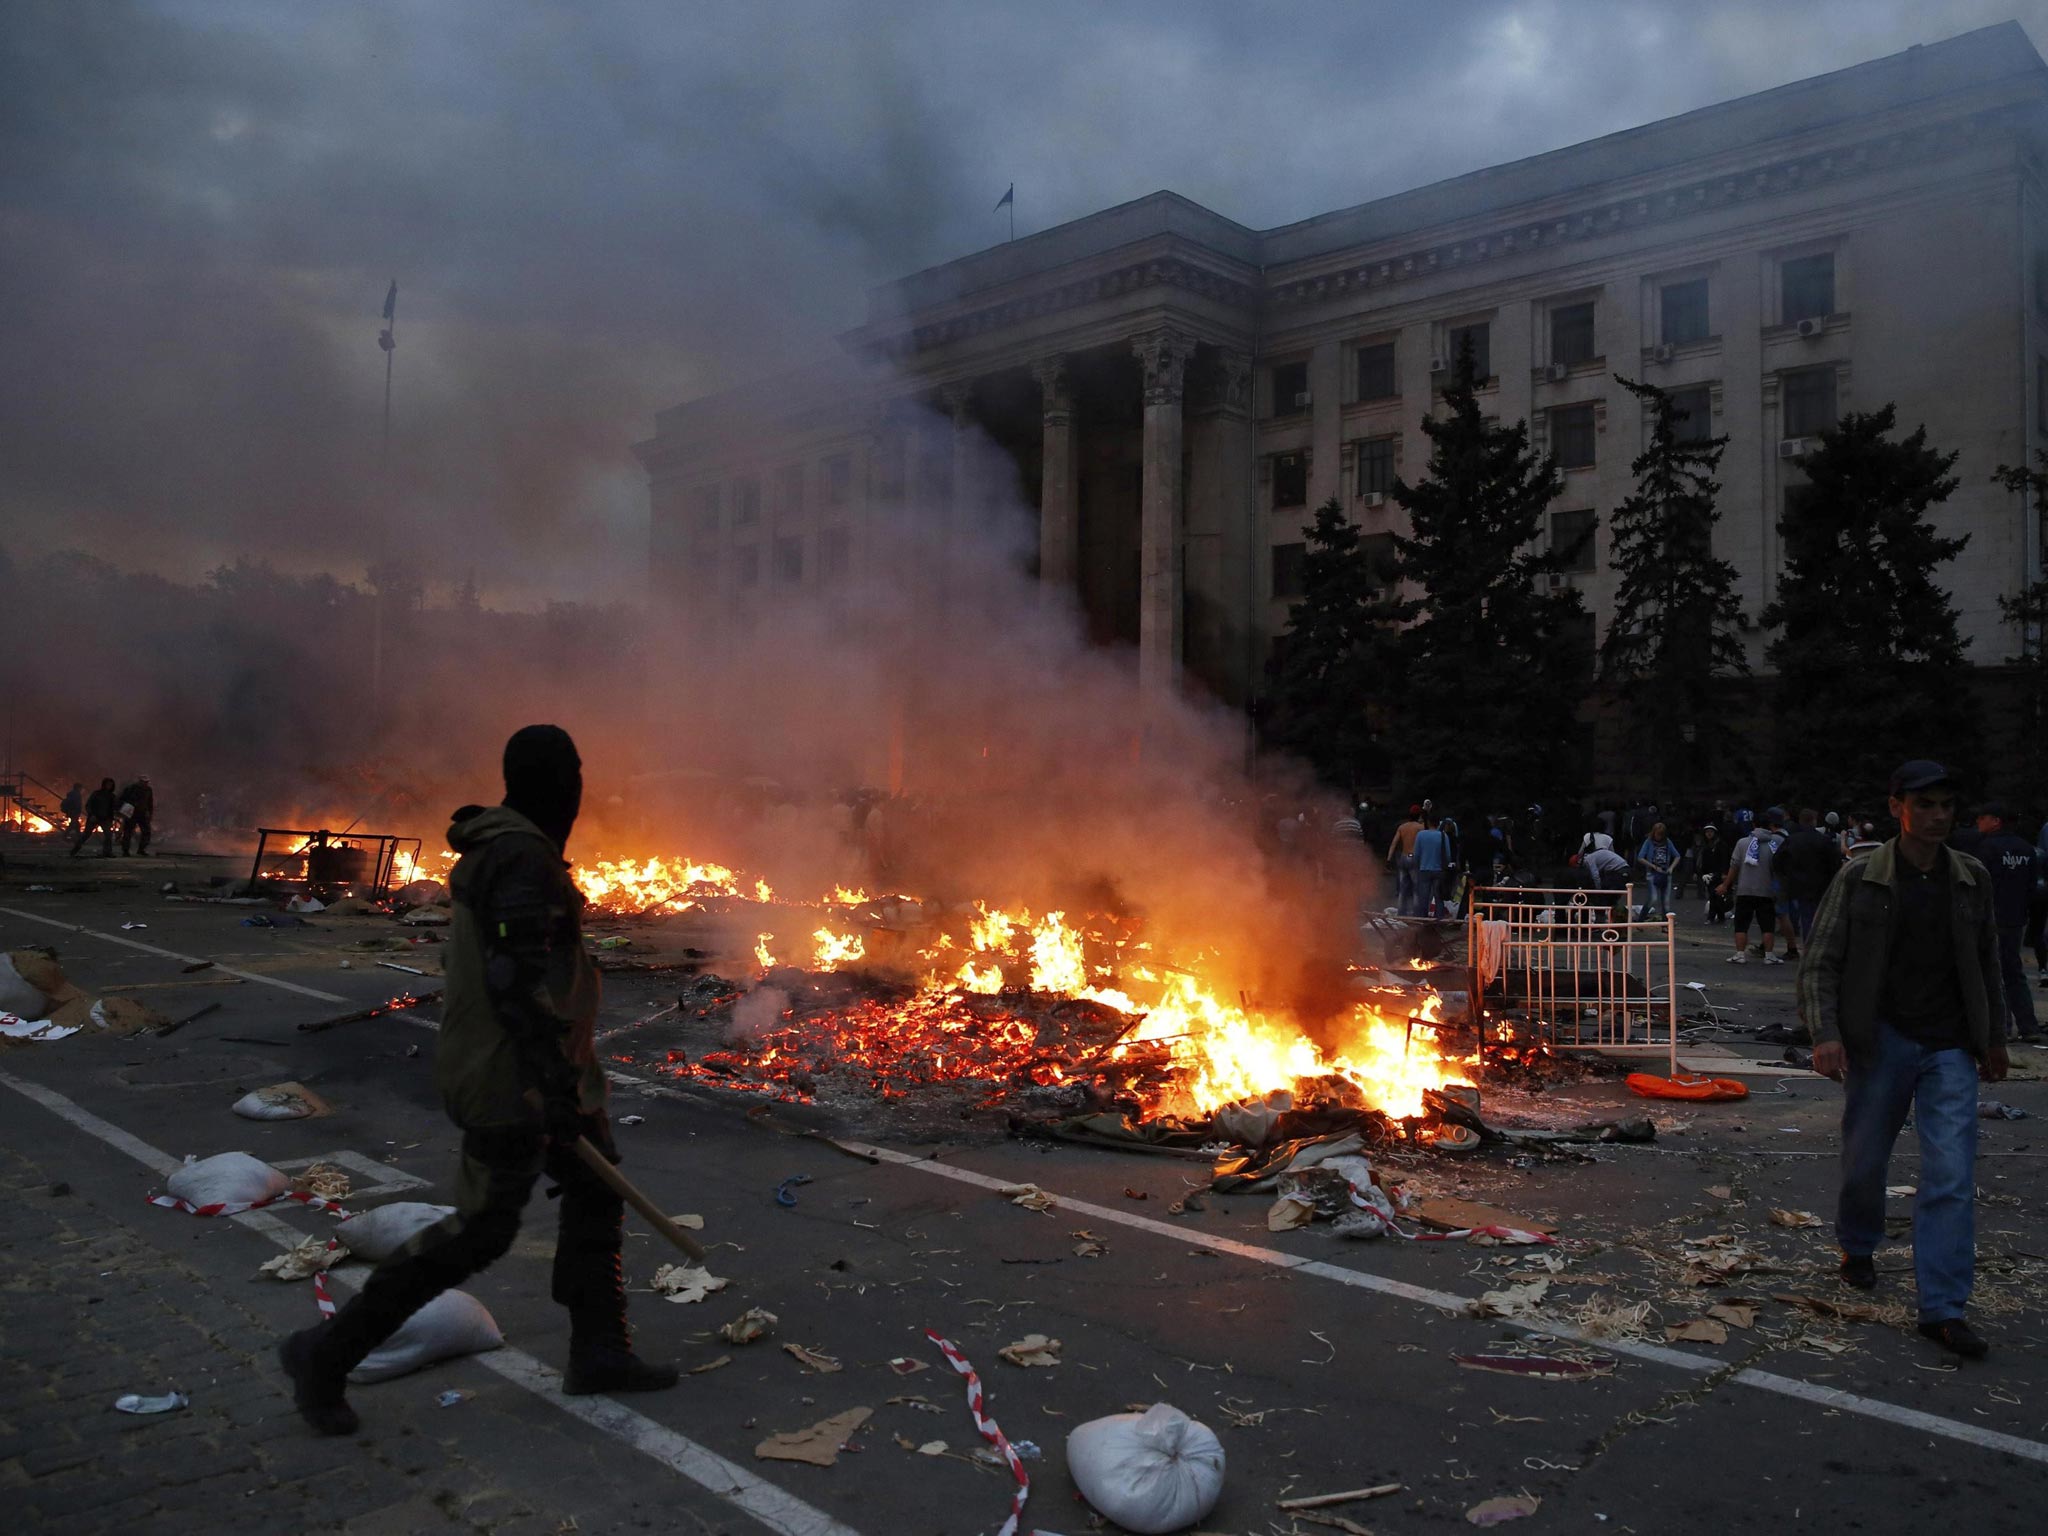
(1087,1245)
(1698,1330)
(1032,1349)
(811,1360)
(632,1120)
(903,1365)
(323,1180)
(1289,1212)
(1030,1196)
(1736,1314)
(820,1445)
(133,1403)
(1540,1367)
(1522,1299)
(452,1397)
(710,1365)
(1992,1109)
(1136,1194)
(1325,1500)
(785,1192)
(1822,1306)
(1720,1192)
(1500,1511)
(309,1258)
(687,1283)
(748,1326)
(1783,1218)
(932,1448)
(1468,1215)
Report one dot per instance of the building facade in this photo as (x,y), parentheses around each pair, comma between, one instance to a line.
(1168,394)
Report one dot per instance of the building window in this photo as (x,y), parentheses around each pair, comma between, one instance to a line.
(746,501)
(1808,397)
(1692,414)
(1288,569)
(835,553)
(1375,465)
(746,565)
(1571,540)
(1571,334)
(1478,336)
(1683,309)
(1290,388)
(789,490)
(1571,436)
(789,561)
(837,478)
(1807,288)
(704,513)
(1382,560)
(1376,372)
(1290,479)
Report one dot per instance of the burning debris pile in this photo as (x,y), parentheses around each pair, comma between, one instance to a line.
(1062,1010)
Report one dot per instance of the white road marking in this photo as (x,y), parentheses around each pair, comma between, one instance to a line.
(172,954)
(775,1509)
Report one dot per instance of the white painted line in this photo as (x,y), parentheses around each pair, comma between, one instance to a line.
(1655,1354)
(172,954)
(783,1513)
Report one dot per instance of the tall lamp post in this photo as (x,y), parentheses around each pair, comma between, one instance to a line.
(387,339)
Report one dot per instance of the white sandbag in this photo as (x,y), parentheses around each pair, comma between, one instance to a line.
(18,996)
(427,917)
(420,893)
(231,1178)
(453,1323)
(1149,1472)
(377,1234)
(280,1101)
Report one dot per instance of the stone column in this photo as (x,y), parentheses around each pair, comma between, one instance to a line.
(1059,496)
(1221,604)
(957,400)
(1163,361)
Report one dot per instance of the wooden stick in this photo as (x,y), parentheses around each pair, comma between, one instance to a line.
(621,1186)
(1321,1500)
(396,1005)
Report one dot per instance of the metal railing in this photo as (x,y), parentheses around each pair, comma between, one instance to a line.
(1579,966)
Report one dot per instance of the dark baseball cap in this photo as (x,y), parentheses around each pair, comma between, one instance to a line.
(1919,774)
(1990,808)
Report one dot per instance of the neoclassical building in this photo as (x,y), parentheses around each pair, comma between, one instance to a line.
(1168,394)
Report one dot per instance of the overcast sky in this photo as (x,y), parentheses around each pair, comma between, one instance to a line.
(592,216)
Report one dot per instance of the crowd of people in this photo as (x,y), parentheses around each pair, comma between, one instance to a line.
(127,814)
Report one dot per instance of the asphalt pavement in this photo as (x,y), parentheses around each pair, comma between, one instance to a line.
(1323,1364)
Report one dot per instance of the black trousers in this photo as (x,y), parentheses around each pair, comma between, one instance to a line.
(105,827)
(499,1169)
(130,828)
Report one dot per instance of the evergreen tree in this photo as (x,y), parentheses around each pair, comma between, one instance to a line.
(1494,664)
(1672,632)
(2027,612)
(1870,666)
(1330,662)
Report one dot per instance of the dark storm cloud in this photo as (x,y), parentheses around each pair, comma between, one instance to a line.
(594,212)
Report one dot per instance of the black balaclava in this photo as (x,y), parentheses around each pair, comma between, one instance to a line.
(544,779)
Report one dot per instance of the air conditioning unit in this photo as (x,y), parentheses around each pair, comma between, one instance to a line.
(1791,447)
(1557,373)
(1810,327)
(1439,365)
(1302,400)
(1374,498)
(1744,621)
(1662,352)
(1559,581)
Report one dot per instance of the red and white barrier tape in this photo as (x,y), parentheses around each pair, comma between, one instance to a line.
(236,1207)
(321,1298)
(990,1431)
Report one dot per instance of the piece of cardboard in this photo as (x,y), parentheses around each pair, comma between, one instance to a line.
(820,1444)
(1449,1215)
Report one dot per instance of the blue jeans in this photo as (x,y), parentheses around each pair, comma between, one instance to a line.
(1803,910)
(1659,882)
(1892,1076)
(1427,882)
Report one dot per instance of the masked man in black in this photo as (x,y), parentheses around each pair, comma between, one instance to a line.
(519,1010)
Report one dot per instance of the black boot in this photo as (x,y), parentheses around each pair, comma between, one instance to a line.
(317,1390)
(601,1358)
